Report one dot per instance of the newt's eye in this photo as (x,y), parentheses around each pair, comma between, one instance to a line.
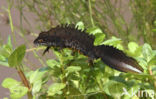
(40,40)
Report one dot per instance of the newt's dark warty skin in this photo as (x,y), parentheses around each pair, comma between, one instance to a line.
(70,37)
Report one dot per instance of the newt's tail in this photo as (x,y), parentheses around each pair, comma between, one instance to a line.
(117,59)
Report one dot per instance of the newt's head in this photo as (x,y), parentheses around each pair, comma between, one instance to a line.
(43,39)
(49,38)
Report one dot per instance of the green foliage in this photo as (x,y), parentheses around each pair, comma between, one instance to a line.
(5,51)
(147,52)
(17,91)
(72,69)
(36,79)
(70,75)
(55,89)
(51,63)
(134,49)
(114,42)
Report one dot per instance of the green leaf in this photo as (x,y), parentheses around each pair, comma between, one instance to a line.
(120,47)
(51,63)
(67,51)
(36,79)
(80,25)
(132,47)
(3,61)
(55,89)
(6,49)
(99,38)
(36,86)
(2,58)
(94,30)
(17,56)
(152,61)
(138,76)
(9,82)
(147,52)
(117,89)
(17,91)
(36,76)
(58,54)
(114,88)
(73,69)
(142,62)
(113,41)
(9,43)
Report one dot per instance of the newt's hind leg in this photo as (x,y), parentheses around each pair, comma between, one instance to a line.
(90,62)
(46,50)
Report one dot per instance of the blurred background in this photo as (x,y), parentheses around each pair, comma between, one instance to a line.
(130,20)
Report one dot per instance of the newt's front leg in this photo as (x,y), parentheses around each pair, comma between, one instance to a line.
(46,50)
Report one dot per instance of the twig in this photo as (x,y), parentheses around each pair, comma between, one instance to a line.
(25,82)
(32,49)
(90,13)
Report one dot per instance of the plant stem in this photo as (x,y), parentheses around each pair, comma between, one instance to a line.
(25,82)
(90,13)
(11,22)
(35,48)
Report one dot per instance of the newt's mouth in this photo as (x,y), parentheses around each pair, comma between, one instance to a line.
(40,42)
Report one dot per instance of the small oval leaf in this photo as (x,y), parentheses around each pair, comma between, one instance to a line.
(17,56)
(147,52)
(55,89)
(73,69)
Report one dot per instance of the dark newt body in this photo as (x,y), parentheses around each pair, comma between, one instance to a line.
(67,37)
(70,37)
